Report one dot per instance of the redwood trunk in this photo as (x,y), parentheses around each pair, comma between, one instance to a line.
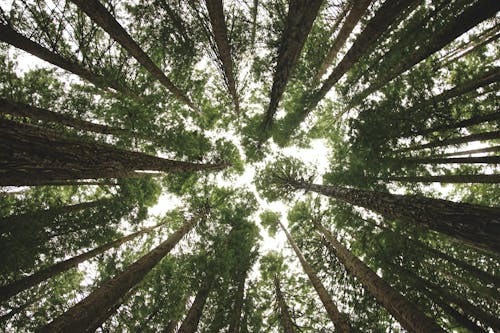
(459,160)
(34,279)
(493,149)
(396,304)
(484,136)
(81,316)
(100,15)
(337,318)
(462,124)
(286,319)
(475,225)
(234,325)
(12,37)
(450,179)
(190,323)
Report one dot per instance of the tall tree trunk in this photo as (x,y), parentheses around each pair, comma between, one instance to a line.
(357,11)
(475,225)
(219,30)
(43,217)
(450,179)
(475,120)
(451,160)
(100,15)
(172,325)
(12,37)
(411,318)
(34,279)
(469,18)
(338,319)
(32,112)
(30,154)
(6,317)
(484,136)
(286,319)
(493,149)
(80,317)
(300,18)
(190,323)
(235,320)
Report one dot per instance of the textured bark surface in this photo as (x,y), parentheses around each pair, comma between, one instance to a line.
(485,136)
(410,317)
(34,279)
(300,18)
(286,319)
(463,123)
(81,316)
(450,179)
(219,31)
(190,323)
(493,149)
(12,37)
(235,321)
(32,112)
(30,154)
(469,18)
(100,15)
(475,225)
(357,11)
(337,318)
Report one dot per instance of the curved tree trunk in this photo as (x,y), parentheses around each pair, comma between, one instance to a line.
(286,319)
(30,154)
(190,323)
(450,179)
(396,304)
(12,37)
(357,11)
(100,15)
(219,31)
(81,316)
(34,279)
(475,225)
(337,318)
(484,136)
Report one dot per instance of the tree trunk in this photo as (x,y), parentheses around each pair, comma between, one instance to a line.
(357,11)
(469,18)
(80,317)
(25,110)
(34,279)
(6,317)
(190,323)
(475,225)
(12,37)
(100,15)
(286,319)
(450,179)
(459,160)
(484,136)
(219,30)
(493,149)
(338,319)
(234,325)
(300,18)
(462,124)
(172,325)
(411,318)
(30,155)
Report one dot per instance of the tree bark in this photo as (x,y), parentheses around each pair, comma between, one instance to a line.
(338,319)
(493,149)
(286,319)
(219,30)
(484,136)
(30,155)
(80,317)
(34,279)
(469,18)
(235,321)
(451,160)
(100,15)
(12,37)
(357,11)
(396,304)
(190,323)
(479,119)
(450,179)
(300,18)
(475,225)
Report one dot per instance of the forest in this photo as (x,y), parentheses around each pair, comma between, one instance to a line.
(250,166)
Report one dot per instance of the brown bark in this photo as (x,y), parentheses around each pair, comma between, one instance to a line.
(190,323)
(357,11)
(493,149)
(338,319)
(450,179)
(12,37)
(75,183)
(172,325)
(450,160)
(286,319)
(219,30)
(479,119)
(410,317)
(484,136)
(34,279)
(32,112)
(469,18)
(100,15)
(80,317)
(30,154)
(235,321)
(300,18)
(475,225)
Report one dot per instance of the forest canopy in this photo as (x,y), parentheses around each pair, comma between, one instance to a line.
(249,166)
